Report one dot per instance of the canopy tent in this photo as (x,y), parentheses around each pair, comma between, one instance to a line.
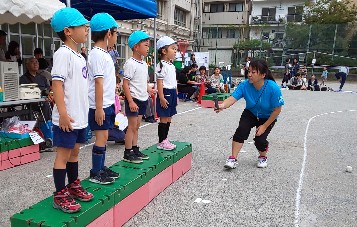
(119,9)
(25,11)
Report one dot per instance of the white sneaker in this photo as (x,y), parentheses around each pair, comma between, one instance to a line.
(165,145)
(173,145)
(231,163)
(262,162)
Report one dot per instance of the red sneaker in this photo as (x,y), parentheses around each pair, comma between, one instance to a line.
(78,192)
(63,201)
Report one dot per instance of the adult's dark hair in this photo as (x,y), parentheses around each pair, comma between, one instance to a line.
(262,67)
(194,66)
(202,68)
(38,51)
(2,33)
(186,69)
(100,35)
(216,68)
(12,47)
(42,63)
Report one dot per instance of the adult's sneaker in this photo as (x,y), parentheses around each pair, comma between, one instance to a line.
(231,163)
(100,178)
(165,145)
(62,200)
(131,157)
(110,173)
(139,154)
(76,190)
(262,162)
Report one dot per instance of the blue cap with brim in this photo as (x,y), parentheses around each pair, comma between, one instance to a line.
(102,22)
(67,17)
(136,37)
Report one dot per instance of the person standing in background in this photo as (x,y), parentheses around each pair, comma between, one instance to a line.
(2,43)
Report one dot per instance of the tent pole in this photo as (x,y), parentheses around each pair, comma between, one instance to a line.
(68,3)
(154,53)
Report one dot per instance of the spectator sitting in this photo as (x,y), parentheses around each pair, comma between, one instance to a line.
(84,52)
(2,43)
(43,65)
(184,84)
(13,53)
(30,77)
(313,84)
(296,83)
(202,78)
(286,78)
(217,80)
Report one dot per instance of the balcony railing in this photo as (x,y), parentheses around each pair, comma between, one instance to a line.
(260,19)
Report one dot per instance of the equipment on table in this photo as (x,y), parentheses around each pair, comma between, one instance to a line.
(29,91)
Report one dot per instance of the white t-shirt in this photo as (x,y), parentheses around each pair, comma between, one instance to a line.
(344,69)
(137,73)
(101,65)
(70,68)
(168,74)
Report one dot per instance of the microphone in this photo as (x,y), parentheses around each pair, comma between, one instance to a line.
(215,99)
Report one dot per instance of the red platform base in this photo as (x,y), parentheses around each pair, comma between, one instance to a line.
(19,156)
(126,209)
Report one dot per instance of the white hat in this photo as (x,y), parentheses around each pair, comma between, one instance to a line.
(164,41)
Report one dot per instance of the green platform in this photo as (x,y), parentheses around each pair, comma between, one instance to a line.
(7,144)
(133,176)
(220,96)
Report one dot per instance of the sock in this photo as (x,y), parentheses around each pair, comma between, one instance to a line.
(97,157)
(59,178)
(72,171)
(161,131)
(135,148)
(103,158)
(127,151)
(167,129)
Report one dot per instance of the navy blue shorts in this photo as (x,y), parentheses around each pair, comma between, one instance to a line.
(142,108)
(171,97)
(68,139)
(108,123)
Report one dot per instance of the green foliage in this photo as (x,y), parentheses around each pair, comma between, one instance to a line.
(330,12)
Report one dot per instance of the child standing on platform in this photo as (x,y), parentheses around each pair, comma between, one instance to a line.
(70,113)
(166,100)
(136,91)
(102,83)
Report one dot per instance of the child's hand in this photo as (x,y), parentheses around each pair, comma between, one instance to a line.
(133,107)
(99,116)
(164,103)
(65,123)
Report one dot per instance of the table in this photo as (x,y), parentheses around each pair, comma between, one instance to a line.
(22,111)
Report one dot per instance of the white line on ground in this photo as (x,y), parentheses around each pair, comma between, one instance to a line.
(302,172)
(90,144)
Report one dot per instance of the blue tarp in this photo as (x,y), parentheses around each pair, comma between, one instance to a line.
(119,9)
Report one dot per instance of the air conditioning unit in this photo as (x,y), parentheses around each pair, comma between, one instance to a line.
(9,80)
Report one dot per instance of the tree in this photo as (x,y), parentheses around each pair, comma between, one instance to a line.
(330,12)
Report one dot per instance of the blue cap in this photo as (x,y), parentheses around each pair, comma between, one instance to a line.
(67,17)
(136,37)
(102,22)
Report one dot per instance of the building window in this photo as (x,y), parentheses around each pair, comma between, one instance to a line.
(216,33)
(160,9)
(268,14)
(206,8)
(231,34)
(295,14)
(235,7)
(180,17)
(205,33)
(216,8)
